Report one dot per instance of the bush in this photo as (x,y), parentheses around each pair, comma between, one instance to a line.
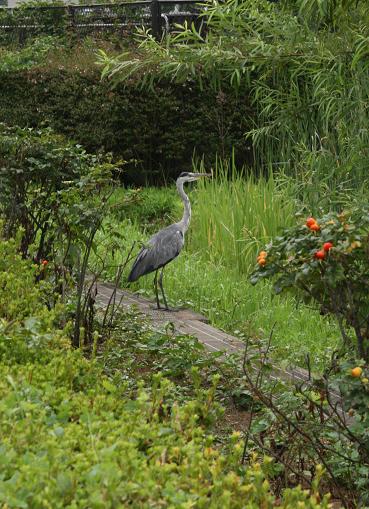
(45,21)
(95,446)
(159,132)
(326,261)
(26,57)
(48,187)
(56,195)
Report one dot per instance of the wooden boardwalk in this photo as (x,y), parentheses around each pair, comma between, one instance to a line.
(188,322)
(184,320)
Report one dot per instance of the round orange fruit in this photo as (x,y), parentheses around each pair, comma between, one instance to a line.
(356,372)
(315,227)
(310,221)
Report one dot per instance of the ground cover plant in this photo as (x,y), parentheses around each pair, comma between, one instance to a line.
(97,446)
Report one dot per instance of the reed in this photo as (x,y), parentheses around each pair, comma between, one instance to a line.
(236,214)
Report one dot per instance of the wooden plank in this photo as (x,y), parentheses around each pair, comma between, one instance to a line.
(186,321)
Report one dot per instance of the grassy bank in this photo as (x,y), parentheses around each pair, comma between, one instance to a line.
(231,221)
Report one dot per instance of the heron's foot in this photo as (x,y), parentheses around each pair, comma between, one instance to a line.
(172,310)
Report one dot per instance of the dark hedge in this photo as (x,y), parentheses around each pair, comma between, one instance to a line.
(159,132)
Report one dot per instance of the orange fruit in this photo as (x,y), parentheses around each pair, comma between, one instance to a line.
(262,262)
(320,255)
(315,227)
(310,221)
(327,246)
(356,372)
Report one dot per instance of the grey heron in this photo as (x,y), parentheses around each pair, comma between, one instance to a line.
(165,245)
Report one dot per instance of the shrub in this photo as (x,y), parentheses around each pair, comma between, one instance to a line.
(95,446)
(326,261)
(45,22)
(48,187)
(322,419)
(24,58)
(157,131)
(57,194)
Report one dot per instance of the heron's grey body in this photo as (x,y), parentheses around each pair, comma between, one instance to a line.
(165,245)
(162,248)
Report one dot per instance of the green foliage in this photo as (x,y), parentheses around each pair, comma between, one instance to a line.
(304,66)
(27,57)
(292,432)
(101,451)
(234,212)
(327,261)
(97,447)
(28,327)
(49,187)
(151,208)
(325,418)
(58,195)
(16,279)
(46,23)
(157,132)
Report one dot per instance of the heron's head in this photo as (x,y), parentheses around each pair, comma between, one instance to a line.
(191,177)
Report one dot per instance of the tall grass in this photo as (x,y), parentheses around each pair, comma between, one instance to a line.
(234,215)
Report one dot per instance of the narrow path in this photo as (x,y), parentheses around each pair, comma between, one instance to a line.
(188,322)
(184,320)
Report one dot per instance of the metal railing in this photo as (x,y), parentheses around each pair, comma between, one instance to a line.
(160,16)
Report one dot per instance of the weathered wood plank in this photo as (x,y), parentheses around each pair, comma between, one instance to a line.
(188,322)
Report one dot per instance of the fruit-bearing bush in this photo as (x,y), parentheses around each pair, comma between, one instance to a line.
(326,260)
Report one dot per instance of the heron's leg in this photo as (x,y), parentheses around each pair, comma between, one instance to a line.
(156,289)
(161,287)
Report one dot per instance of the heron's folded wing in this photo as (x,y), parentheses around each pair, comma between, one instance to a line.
(161,249)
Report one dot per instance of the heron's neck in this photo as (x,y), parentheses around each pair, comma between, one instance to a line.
(186,218)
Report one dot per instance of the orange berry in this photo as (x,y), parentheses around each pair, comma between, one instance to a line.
(356,372)
(320,255)
(44,262)
(310,221)
(315,227)
(263,254)
(327,246)
(262,262)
